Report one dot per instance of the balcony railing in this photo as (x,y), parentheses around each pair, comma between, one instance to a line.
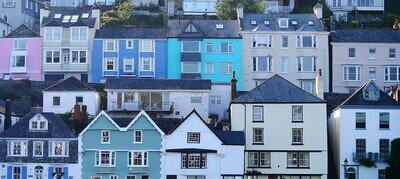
(377,157)
(147,106)
(8,4)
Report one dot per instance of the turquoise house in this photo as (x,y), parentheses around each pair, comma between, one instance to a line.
(115,148)
(204,49)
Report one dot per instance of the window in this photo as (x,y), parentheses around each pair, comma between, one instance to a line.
(372,53)
(19,44)
(219,26)
(110,64)
(37,148)
(147,46)
(259,159)
(262,41)
(392,53)
(137,158)
(79,34)
(372,73)
(284,64)
(113,177)
(297,136)
(360,120)
(5,17)
(258,135)
(382,174)
(147,64)
(193,137)
(190,29)
(37,123)
(253,22)
(195,98)
(360,148)
(78,56)
(190,67)
(17,174)
(52,34)
(209,47)
(129,44)
(105,158)
(308,85)
(8,3)
(18,61)
(128,65)
(258,113)
(56,101)
(384,120)
(285,42)
(105,136)
(351,73)
(190,46)
(225,68)
(58,149)
(263,63)
(110,45)
(215,99)
(95,177)
(38,171)
(298,159)
(226,47)
(297,113)
(194,160)
(52,56)
(17,148)
(384,149)
(392,73)
(352,53)
(306,64)
(196,177)
(283,22)
(130,177)
(306,41)
(209,68)
(137,136)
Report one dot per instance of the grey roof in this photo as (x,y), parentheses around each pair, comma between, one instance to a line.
(277,90)
(160,84)
(137,33)
(22,31)
(51,21)
(56,128)
(302,22)
(333,100)
(69,84)
(15,109)
(366,36)
(206,28)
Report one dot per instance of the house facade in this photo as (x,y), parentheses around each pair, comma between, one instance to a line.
(5,28)
(294,46)
(130,148)
(204,49)
(195,150)
(67,42)
(39,145)
(16,12)
(286,131)
(358,58)
(341,8)
(129,52)
(361,128)
(21,55)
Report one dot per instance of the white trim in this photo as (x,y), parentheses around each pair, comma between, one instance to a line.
(33,148)
(141,137)
(102,113)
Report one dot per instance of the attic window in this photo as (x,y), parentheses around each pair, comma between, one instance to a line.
(57,16)
(294,23)
(371,92)
(310,23)
(190,28)
(37,123)
(283,22)
(66,19)
(266,23)
(85,15)
(74,18)
(219,26)
(253,22)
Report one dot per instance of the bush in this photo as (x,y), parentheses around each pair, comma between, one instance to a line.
(366,162)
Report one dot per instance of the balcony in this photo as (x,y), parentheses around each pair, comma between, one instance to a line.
(139,105)
(65,67)
(8,4)
(369,5)
(376,157)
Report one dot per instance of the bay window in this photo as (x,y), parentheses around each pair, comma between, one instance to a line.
(351,73)
(392,73)
(52,56)
(193,160)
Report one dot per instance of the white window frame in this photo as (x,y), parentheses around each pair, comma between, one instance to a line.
(215,99)
(147,45)
(255,158)
(300,61)
(346,75)
(193,137)
(18,42)
(82,33)
(372,53)
(189,51)
(211,44)
(34,148)
(389,69)
(50,34)
(258,113)
(300,41)
(64,149)
(194,160)
(144,159)
(352,55)
(126,61)
(113,176)
(305,85)
(372,73)
(111,158)
(147,61)
(190,63)
(34,123)
(285,40)
(105,137)
(23,148)
(196,98)
(229,67)
(258,138)
(392,55)
(127,44)
(114,61)
(6,3)
(113,46)
(256,66)
(135,136)
(294,161)
(229,47)
(284,64)
(14,60)
(55,105)
(283,22)
(256,41)
(209,66)
(79,56)
(297,113)
(52,56)
(297,136)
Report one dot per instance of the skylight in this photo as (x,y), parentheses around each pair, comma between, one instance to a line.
(283,22)
(266,23)
(294,22)
(57,16)
(85,15)
(219,26)
(74,18)
(66,19)
(310,22)
(253,22)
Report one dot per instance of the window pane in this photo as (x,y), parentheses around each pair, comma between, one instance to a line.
(307,41)
(190,46)
(190,67)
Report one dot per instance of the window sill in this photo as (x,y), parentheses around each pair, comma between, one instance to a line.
(297,167)
(258,167)
(258,143)
(361,129)
(258,121)
(297,144)
(297,121)
(59,156)
(384,129)
(194,168)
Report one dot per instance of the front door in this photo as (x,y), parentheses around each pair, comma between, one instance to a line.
(65,58)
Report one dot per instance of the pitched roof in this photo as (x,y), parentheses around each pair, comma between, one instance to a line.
(68,11)
(366,36)
(206,28)
(137,33)
(17,108)
(277,90)
(22,31)
(302,22)
(69,84)
(333,100)
(56,128)
(161,84)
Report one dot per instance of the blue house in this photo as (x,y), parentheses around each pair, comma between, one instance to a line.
(206,49)
(129,52)
(112,148)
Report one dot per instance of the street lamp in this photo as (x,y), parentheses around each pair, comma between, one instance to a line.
(345,167)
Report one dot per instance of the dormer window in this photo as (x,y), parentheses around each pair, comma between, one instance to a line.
(253,22)
(219,26)
(294,23)
(190,28)
(283,22)
(371,92)
(266,23)
(310,22)
(38,123)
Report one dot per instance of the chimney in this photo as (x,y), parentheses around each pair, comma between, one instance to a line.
(84,114)
(239,14)
(7,119)
(77,117)
(319,84)
(233,86)
(37,109)
(318,10)
(44,12)
(96,14)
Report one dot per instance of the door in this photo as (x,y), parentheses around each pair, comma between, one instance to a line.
(65,57)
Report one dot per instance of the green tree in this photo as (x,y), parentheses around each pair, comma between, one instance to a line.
(118,16)
(394,159)
(392,6)
(226,9)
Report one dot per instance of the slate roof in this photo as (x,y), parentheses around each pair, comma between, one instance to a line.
(206,28)
(22,31)
(137,33)
(159,84)
(69,84)
(56,128)
(15,109)
(277,90)
(333,100)
(302,22)
(51,21)
(366,36)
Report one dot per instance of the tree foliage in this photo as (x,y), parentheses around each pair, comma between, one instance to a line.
(394,159)
(226,9)
(121,13)
(307,6)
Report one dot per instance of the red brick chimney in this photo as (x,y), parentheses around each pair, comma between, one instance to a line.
(233,86)
(84,114)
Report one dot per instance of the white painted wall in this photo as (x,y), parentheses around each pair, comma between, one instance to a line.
(223,90)
(67,101)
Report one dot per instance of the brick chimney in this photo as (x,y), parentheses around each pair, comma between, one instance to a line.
(7,119)
(233,86)
(84,114)
(77,117)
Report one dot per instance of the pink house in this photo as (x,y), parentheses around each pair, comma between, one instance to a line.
(21,54)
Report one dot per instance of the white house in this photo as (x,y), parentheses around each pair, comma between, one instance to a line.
(195,150)
(62,97)
(361,128)
(285,130)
